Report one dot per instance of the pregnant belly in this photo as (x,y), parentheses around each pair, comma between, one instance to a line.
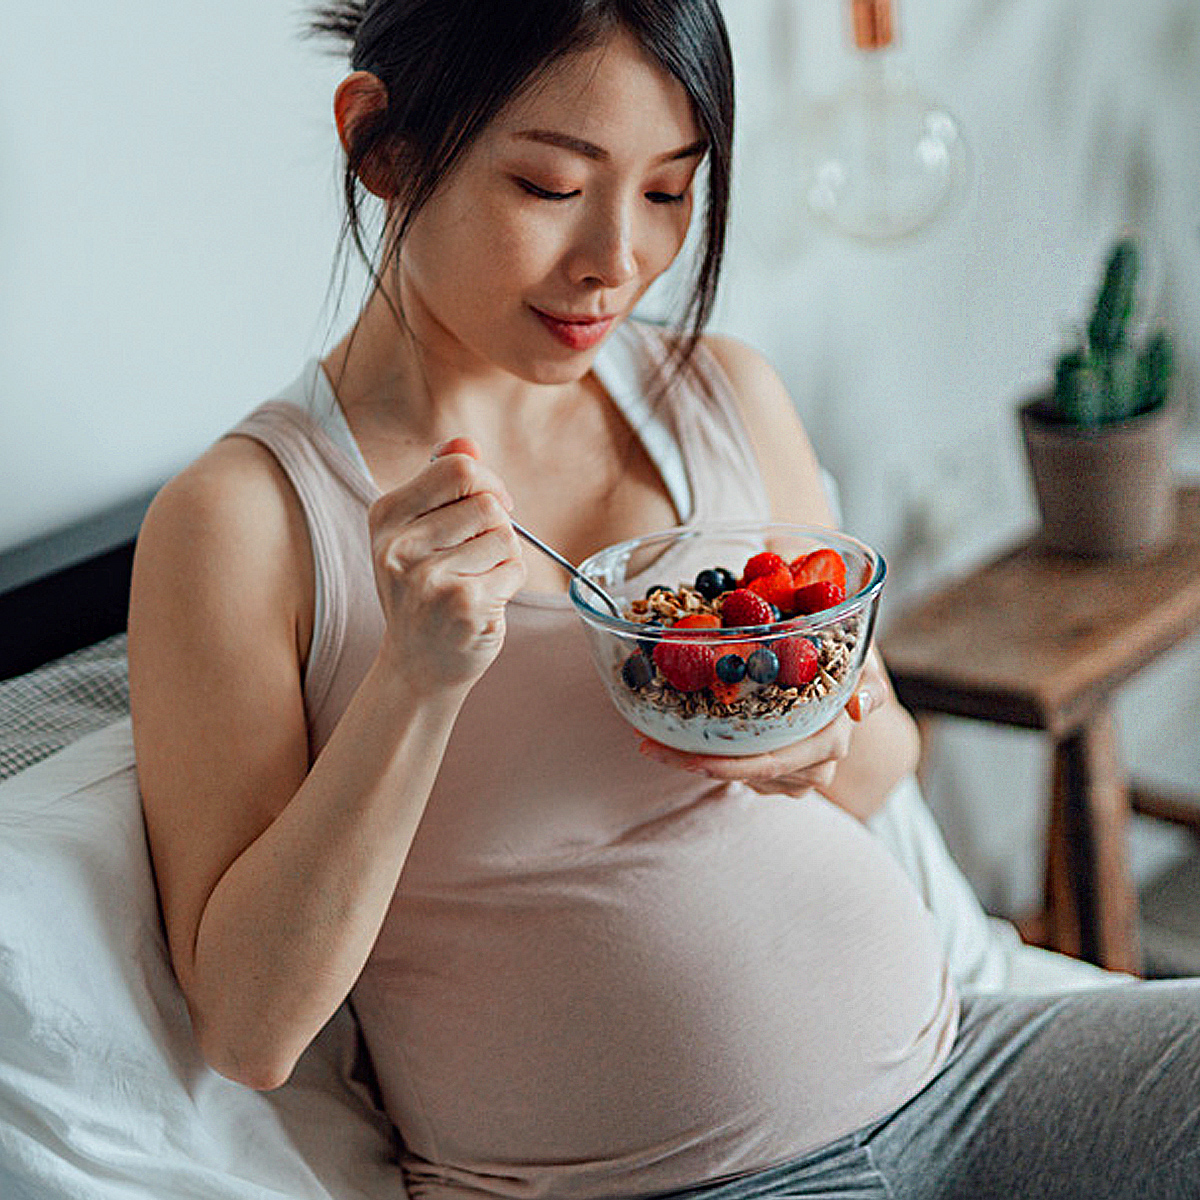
(724,991)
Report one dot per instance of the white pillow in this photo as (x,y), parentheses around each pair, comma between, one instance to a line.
(102,1092)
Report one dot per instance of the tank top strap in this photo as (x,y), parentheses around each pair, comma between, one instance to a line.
(628,366)
(716,433)
(334,496)
(690,424)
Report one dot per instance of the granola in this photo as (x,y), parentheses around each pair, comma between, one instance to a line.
(836,658)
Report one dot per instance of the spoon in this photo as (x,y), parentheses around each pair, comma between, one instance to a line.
(570,567)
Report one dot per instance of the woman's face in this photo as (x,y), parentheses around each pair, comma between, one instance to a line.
(561,215)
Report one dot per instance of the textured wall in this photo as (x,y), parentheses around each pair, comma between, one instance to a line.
(906,360)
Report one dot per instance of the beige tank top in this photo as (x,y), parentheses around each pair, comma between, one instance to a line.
(600,976)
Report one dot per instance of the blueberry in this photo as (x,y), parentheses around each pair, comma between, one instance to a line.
(731,668)
(763,665)
(712,582)
(708,584)
(646,645)
(637,671)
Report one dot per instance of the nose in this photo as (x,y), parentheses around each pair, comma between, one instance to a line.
(606,251)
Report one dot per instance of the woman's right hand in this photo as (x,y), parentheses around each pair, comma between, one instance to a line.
(446,564)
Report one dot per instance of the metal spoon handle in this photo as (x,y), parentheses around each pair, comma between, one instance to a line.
(568,566)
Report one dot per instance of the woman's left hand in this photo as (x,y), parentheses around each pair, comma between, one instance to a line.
(809,764)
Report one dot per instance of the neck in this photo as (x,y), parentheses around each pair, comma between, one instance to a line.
(412,377)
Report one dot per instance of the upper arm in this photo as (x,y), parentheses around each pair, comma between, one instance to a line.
(789,466)
(216,625)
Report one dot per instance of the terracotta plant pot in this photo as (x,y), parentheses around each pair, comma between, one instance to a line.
(1107,492)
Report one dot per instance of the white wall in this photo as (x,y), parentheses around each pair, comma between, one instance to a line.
(907,361)
(169,210)
(168,213)
(1080,122)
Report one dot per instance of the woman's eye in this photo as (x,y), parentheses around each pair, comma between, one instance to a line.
(544,193)
(666,197)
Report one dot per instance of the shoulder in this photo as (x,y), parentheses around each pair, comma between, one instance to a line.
(761,396)
(748,370)
(228,525)
(745,368)
(235,488)
(789,464)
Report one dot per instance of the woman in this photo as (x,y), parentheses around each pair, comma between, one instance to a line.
(374,756)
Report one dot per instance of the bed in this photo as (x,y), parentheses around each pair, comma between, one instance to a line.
(102,1092)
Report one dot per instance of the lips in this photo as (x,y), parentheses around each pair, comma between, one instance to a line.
(576,332)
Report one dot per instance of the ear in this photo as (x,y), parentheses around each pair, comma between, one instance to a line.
(360,96)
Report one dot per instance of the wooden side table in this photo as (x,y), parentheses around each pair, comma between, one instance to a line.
(1040,641)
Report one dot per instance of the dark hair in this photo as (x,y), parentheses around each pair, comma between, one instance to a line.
(450,66)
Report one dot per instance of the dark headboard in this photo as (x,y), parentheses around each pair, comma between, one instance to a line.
(67,589)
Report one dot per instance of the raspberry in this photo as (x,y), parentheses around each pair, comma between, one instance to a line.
(761,564)
(798,662)
(686,666)
(813,597)
(744,607)
(776,588)
(820,564)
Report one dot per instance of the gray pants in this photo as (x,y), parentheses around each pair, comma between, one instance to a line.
(1080,1096)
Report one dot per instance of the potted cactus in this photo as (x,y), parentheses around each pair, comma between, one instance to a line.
(1100,442)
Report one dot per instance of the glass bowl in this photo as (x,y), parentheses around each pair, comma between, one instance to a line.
(735,689)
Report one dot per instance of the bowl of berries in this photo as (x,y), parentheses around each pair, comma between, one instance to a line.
(734,639)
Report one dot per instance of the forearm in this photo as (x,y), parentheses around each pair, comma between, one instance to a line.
(287,928)
(884,749)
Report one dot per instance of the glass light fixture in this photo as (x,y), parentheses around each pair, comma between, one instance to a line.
(884,161)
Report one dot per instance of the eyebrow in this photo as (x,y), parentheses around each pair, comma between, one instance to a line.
(565,141)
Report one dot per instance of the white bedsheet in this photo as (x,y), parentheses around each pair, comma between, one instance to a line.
(102,1093)
(984,953)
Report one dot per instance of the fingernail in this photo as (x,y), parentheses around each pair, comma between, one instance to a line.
(864,703)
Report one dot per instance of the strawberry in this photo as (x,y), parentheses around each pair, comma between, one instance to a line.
(724,693)
(776,588)
(744,607)
(686,666)
(761,564)
(698,621)
(813,597)
(820,564)
(798,662)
